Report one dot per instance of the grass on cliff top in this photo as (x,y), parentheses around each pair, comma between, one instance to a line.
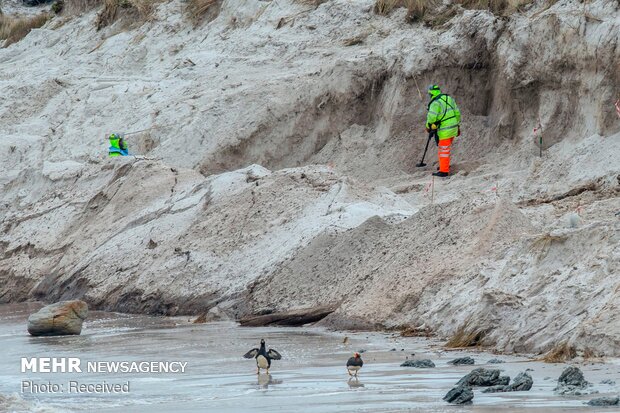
(200,10)
(134,11)
(13,29)
(419,9)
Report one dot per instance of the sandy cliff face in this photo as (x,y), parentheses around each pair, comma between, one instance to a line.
(281,168)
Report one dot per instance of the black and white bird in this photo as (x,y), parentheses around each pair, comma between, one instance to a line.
(262,356)
(354,364)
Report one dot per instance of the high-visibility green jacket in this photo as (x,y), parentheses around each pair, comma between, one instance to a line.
(443,112)
(118,147)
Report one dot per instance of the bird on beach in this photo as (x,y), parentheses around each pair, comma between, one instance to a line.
(262,356)
(354,364)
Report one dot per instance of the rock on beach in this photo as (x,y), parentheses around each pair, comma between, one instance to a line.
(59,319)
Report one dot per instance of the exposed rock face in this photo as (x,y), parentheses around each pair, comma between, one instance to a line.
(495,361)
(462,361)
(484,377)
(421,364)
(604,401)
(63,318)
(460,394)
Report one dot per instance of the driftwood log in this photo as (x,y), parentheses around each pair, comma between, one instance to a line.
(288,318)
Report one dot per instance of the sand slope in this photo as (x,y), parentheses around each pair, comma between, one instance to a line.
(280,170)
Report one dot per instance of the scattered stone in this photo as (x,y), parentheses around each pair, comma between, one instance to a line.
(495,389)
(572,376)
(523,382)
(529,369)
(571,381)
(495,361)
(484,378)
(362,351)
(604,401)
(59,319)
(420,364)
(461,361)
(608,381)
(461,394)
(584,393)
(393,349)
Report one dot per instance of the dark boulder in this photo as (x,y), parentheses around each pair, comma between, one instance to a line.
(484,378)
(460,395)
(523,382)
(495,389)
(461,361)
(35,2)
(571,382)
(420,364)
(604,401)
(572,376)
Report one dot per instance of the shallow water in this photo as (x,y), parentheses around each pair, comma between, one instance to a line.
(310,378)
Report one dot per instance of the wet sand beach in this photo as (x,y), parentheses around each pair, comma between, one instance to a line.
(311,377)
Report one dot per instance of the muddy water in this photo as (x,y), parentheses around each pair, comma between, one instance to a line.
(310,378)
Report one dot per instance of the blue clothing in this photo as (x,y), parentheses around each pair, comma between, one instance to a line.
(120,152)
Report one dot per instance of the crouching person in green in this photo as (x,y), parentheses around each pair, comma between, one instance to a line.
(118,147)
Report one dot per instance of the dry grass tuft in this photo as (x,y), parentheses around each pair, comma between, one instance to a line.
(79,6)
(499,7)
(13,29)
(133,10)
(541,245)
(200,10)
(418,10)
(560,353)
(589,354)
(465,337)
(384,7)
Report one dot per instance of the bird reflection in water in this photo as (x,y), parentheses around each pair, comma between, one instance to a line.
(265,380)
(354,383)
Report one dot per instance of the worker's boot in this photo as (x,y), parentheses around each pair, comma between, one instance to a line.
(441,174)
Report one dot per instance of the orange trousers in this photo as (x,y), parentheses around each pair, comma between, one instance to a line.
(444,154)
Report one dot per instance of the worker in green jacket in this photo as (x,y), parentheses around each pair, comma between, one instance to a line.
(444,119)
(118,147)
